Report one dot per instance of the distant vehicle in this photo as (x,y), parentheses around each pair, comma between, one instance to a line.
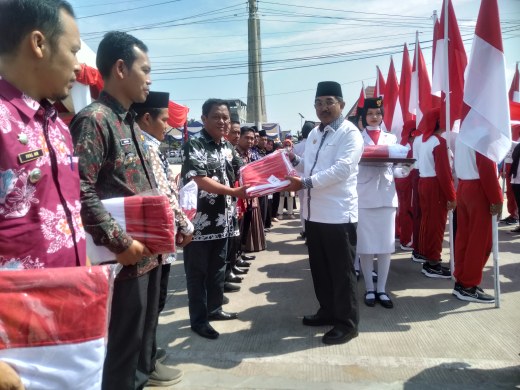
(175,156)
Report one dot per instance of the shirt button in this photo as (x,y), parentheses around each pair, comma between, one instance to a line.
(35,175)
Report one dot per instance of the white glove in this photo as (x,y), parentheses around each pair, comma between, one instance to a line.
(402,170)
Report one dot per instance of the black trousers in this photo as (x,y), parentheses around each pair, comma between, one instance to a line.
(516,191)
(332,248)
(245,226)
(276,204)
(269,213)
(131,333)
(233,248)
(163,286)
(262,202)
(205,266)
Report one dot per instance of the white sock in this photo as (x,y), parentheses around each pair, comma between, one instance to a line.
(383,267)
(367,265)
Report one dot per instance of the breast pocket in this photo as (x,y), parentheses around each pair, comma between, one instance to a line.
(214,169)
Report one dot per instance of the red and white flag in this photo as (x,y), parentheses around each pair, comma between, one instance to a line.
(393,114)
(514,91)
(380,88)
(405,85)
(133,214)
(448,66)
(420,89)
(361,100)
(54,324)
(485,113)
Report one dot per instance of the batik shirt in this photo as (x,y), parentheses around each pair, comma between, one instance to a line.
(111,165)
(165,178)
(40,223)
(218,161)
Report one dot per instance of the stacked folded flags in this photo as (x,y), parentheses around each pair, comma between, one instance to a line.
(267,175)
(148,219)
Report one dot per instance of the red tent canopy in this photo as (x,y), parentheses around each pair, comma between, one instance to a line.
(178,114)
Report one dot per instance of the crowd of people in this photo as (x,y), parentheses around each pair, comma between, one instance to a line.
(55,178)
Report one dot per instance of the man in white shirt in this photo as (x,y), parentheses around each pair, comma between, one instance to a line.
(329,179)
(299,149)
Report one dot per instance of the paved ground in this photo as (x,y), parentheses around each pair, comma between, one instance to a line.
(430,340)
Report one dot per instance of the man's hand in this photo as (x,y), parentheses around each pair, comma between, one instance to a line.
(495,208)
(183,239)
(240,192)
(9,379)
(133,254)
(296,183)
(452,205)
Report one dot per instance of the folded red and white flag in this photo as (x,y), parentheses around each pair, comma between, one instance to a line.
(148,219)
(267,175)
(385,151)
(53,325)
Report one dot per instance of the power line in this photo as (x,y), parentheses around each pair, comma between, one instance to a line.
(168,23)
(127,9)
(362,39)
(396,50)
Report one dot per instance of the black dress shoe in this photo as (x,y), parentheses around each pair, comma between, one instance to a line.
(386,303)
(246,257)
(243,263)
(205,330)
(371,302)
(240,271)
(316,320)
(230,287)
(222,315)
(338,335)
(225,300)
(232,278)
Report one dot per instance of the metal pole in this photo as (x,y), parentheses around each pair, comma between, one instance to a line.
(417,119)
(447,124)
(254,62)
(496,266)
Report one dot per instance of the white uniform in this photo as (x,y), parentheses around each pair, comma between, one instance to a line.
(377,203)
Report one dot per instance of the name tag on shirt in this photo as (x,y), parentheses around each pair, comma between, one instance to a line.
(125,141)
(30,155)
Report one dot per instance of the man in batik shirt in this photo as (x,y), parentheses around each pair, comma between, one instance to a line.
(112,164)
(212,163)
(40,223)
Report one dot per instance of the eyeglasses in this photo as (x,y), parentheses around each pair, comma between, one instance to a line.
(326,103)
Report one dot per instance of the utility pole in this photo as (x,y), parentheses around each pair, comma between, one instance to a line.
(255,87)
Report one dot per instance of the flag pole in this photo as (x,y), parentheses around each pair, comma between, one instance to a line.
(447,124)
(378,86)
(496,267)
(417,70)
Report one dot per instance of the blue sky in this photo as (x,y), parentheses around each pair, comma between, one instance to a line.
(198,48)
